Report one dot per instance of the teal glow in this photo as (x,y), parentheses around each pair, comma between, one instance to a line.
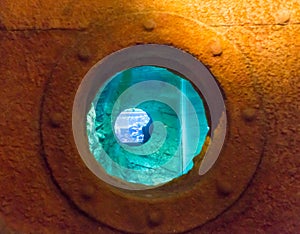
(179,125)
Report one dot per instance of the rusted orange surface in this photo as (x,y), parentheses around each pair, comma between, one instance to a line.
(34,36)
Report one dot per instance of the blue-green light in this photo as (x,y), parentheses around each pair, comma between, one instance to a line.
(146,124)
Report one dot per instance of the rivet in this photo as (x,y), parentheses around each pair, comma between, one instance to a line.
(224,187)
(56,119)
(249,114)
(84,54)
(283,17)
(87,192)
(216,48)
(155,218)
(149,25)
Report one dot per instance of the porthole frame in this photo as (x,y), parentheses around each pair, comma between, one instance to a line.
(148,55)
(165,209)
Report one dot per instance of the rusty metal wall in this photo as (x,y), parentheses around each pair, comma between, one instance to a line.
(36,35)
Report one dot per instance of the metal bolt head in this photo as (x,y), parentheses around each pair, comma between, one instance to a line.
(283,17)
(87,192)
(149,25)
(155,218)
(56,119)
(249,114)
(216,47)
(224,188)
(84,54)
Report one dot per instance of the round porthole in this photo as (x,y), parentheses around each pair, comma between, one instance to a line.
(79,82)
(142,114)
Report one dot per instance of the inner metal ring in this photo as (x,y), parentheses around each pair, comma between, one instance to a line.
(155,55)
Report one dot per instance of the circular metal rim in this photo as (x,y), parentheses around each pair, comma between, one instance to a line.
(153,55)
(165,209)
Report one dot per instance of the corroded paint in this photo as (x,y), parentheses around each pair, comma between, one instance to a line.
(34,36)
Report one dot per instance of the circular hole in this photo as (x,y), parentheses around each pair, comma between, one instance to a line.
(169,86)
(146,124)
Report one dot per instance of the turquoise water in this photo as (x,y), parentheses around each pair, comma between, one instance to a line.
(178,125)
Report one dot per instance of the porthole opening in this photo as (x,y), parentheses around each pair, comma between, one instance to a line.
(146,124)
(168,85)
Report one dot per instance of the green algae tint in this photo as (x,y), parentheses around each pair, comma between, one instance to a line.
(146,124)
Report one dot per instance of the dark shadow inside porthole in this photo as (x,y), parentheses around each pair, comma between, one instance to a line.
(146,125)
